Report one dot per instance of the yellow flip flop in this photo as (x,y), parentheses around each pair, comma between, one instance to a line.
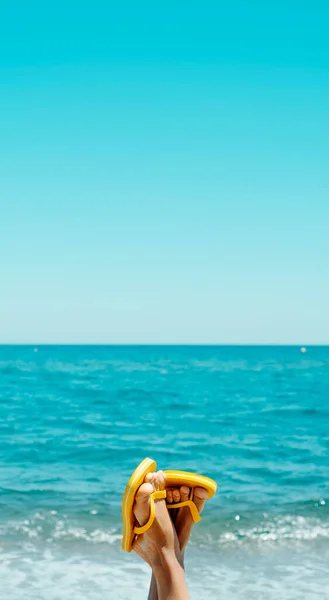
(191,480)
(129,528)
(173,479)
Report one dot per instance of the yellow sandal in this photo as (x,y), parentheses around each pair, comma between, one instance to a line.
(129,529)
(191,480)
(173,479)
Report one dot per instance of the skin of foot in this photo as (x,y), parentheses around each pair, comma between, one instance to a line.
(159,546)
(182,518)
(161,539)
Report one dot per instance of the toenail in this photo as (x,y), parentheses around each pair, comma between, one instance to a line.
(201,493)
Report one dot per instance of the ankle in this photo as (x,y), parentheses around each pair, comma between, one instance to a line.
(164,561)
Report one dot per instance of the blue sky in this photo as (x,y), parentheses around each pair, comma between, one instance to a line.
(164,172)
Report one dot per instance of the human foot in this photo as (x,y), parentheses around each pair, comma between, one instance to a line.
(160,540)
(182,517)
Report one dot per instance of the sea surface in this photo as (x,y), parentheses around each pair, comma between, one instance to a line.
(76,421)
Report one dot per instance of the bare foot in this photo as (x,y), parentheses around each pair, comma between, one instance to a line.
(161,539)
(182,518)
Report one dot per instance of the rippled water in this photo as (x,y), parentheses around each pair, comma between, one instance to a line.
(75,421)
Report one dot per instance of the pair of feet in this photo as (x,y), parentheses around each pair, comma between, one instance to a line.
(171,530)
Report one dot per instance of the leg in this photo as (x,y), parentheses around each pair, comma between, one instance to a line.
(170,580)
(183,524)
(159,546)
(153,591)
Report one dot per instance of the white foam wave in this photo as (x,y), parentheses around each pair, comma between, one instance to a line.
(274,530)
(281,530)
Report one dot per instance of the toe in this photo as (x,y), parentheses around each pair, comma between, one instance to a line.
(150,478)
(200,496)
(160,482)
(169,496)
(142,503)
(184,493)
(176,495)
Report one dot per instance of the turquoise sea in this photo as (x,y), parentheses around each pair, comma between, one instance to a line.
(75,422)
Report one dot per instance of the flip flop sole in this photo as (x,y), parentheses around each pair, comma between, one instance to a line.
(146,466)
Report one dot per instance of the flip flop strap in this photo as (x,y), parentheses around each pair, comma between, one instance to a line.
(194,511)
(148,525)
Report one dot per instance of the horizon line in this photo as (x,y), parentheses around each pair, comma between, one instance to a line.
(168,344)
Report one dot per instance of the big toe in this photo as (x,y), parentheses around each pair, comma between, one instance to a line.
(200,496)
(142,503)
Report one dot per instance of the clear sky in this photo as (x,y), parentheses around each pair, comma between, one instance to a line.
(164,172)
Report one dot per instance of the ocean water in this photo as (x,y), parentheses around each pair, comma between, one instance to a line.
(75,422)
